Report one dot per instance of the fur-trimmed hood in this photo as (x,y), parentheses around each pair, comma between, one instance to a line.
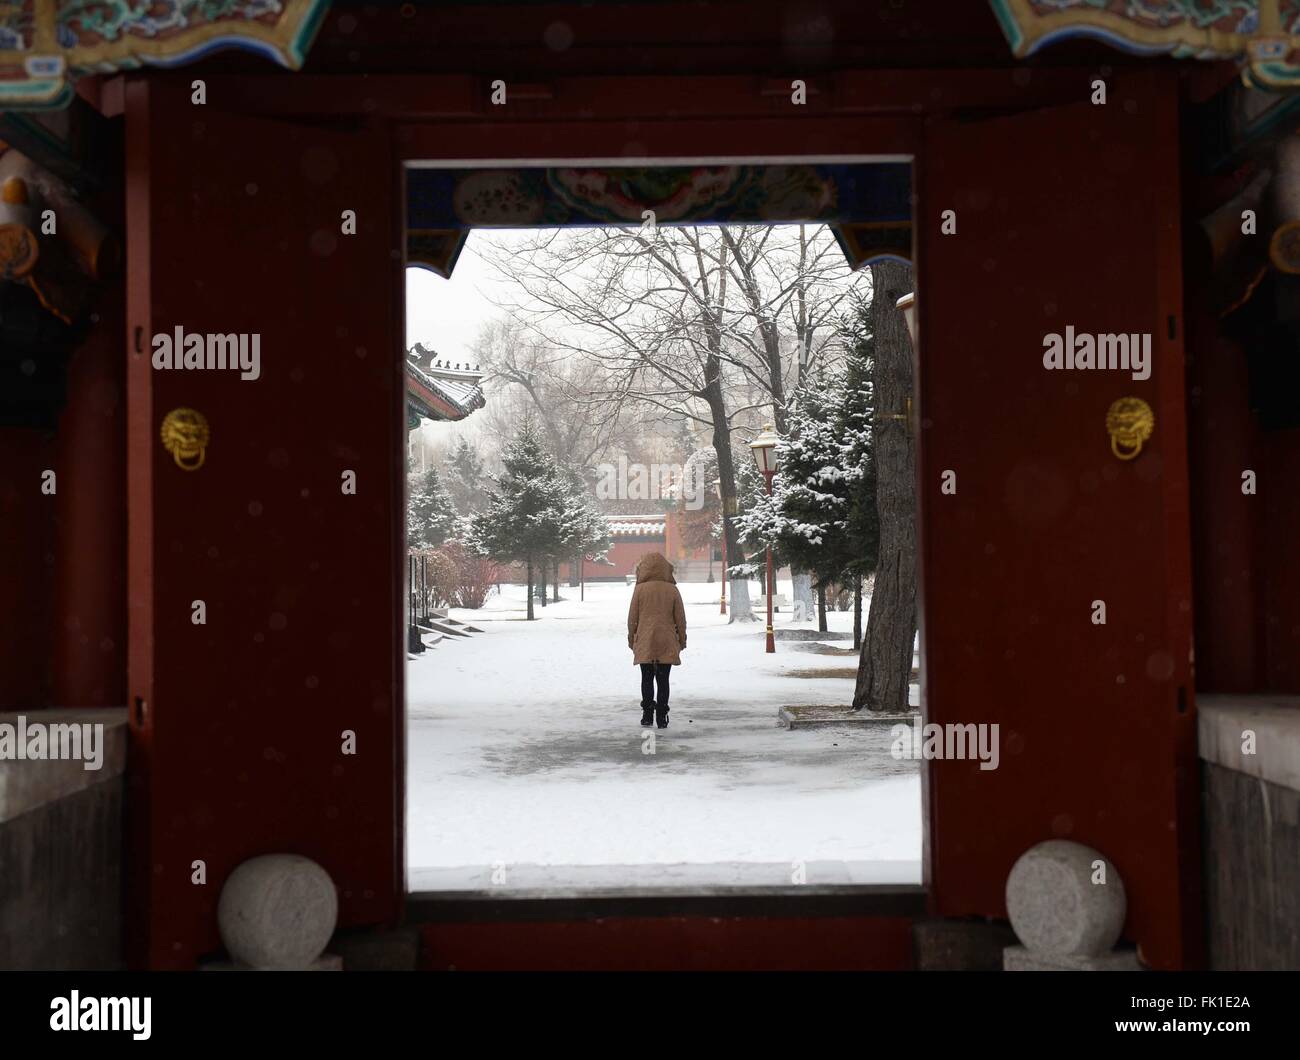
(654,567)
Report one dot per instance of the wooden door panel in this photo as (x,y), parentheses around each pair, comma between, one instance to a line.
(235,228)
(1064,216)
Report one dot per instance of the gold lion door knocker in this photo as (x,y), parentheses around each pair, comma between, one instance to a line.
(1130,422)
(185,435)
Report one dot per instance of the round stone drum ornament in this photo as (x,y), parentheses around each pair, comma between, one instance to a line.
(185,435)
(277,911)
(1129,422)
(1056,907)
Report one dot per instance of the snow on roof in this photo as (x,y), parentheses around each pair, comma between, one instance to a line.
(627,526)
(442,390)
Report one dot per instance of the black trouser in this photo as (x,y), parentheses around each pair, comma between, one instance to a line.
(650,673)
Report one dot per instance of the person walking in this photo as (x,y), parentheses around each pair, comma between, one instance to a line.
(656,633)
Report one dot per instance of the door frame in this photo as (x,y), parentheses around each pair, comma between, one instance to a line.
(884,900)
(876,113)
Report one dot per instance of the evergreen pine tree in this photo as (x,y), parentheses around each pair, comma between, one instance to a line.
(822,516)
(586,532)
(813,496)
(854,427)
(754,522)
(430,513)
(466,478)
(523,518)
(812,501)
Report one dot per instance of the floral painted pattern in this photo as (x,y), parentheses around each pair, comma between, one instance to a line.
(46,44)
(1263,34)
(90,21)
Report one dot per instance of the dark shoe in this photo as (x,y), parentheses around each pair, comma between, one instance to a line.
(647,716)
(661,716)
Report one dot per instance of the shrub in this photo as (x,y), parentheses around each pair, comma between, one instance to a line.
(464,579)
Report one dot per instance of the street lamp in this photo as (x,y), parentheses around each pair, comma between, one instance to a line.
(764,450)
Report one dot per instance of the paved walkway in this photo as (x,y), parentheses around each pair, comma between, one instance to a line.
(527,764)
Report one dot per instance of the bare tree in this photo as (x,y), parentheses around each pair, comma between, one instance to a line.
(803,279)
(529,376)
(696,323)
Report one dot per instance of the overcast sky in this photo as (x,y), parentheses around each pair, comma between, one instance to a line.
(446,315)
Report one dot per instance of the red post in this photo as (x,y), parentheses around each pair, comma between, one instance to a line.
(771,639)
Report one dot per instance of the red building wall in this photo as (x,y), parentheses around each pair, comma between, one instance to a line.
(27,541)
(624,554)
(89,636)
(63,582)
(1247,566)
(1278,560)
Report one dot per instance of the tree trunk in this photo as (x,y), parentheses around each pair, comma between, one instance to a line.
(857,614)
(802,595)
(529,595)
(575,571)
(555,581)
(821,609)
(541,586)
(885,664)
(739,608)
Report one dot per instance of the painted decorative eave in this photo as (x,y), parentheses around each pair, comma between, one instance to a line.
(45,45)
(1262,35)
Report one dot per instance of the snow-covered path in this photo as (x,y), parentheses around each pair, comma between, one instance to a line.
(526,763)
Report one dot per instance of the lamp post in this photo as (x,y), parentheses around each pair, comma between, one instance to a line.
(764,450)
(723,516)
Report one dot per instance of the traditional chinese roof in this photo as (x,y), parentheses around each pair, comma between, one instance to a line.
(440,389)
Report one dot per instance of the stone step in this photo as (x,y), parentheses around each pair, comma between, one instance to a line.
(791,633)
(456,623)
(816,716)
(435,626)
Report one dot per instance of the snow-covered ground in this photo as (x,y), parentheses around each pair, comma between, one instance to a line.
(527,765)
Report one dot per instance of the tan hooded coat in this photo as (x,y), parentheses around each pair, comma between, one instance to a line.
(656,621)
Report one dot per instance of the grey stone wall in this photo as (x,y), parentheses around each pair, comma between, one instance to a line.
(61,883)
(1251,843)
(61,835)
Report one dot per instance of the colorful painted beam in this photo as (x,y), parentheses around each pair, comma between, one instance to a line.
(1262,35)
(45,45)
(868,205)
